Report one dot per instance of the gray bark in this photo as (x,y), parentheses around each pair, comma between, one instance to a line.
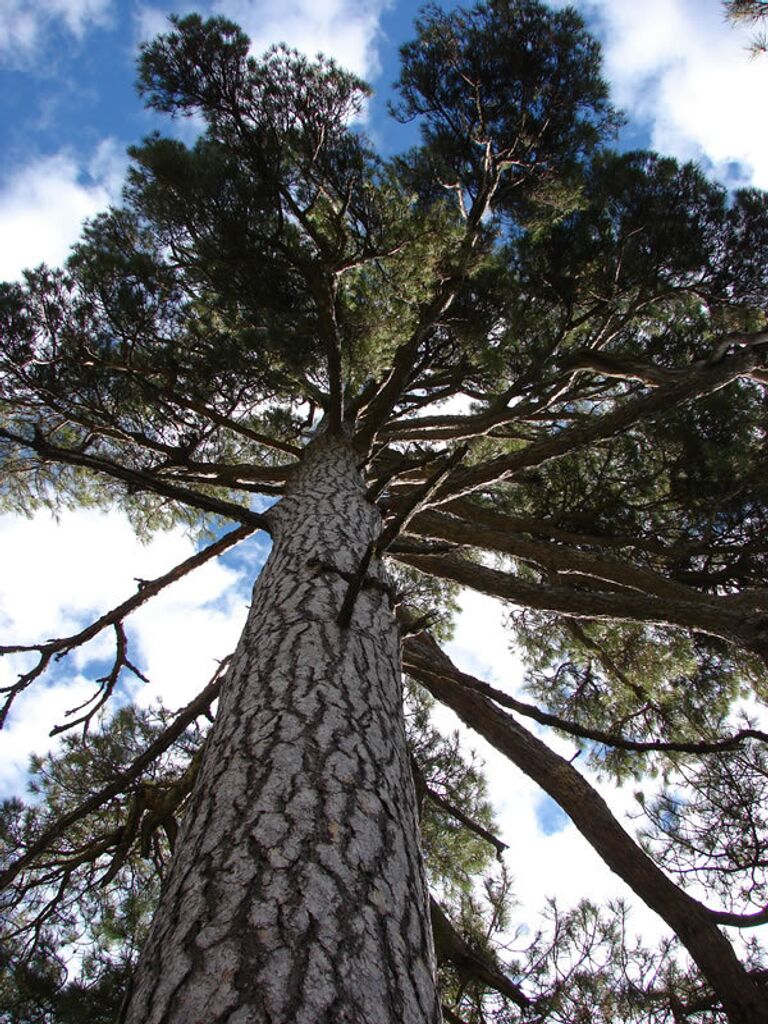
(296,893)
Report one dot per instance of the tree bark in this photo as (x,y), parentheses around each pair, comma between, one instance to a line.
(296,894)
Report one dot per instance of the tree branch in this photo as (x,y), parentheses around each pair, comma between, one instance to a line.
(706,615)
(449,945)
(700,381)
(198,706)
(415,657)
(138,479)
(692,922)
(147,589)
(555,558)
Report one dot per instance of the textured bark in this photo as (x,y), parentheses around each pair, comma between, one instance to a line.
(296,894)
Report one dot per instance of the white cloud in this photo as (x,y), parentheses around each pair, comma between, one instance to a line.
(150,21)
(341,29)
(43,205)
(24,23)
(35,713)
(678,67)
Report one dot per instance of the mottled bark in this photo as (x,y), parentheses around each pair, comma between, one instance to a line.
(296,895)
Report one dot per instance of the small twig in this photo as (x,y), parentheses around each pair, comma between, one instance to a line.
(107,685)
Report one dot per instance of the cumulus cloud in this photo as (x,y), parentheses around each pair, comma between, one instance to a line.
(683,72)
(24,23)
(44,203)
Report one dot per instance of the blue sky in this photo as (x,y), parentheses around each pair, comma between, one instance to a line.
(68,109)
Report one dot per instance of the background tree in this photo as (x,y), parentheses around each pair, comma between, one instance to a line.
(509,359)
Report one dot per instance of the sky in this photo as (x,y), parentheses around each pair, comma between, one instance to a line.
(67,112)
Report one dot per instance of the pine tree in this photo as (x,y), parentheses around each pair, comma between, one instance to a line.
(509,341)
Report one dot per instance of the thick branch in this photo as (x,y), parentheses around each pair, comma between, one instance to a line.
(740,920)
(623,368)
(706,615)
(476,512)
(555,558)
(743,1000)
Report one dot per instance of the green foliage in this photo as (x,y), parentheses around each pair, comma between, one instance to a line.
(639,682)
(753,12)
(648,228)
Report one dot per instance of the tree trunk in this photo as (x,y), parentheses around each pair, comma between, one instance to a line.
(296,892)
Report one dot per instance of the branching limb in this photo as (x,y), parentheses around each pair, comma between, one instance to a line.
(200,705)
(114,617)
(418,499)
(623,368)
(459,815)
(701,381)
(557,559)
(741,997)
(376,548)
(740,920)
(424,789)
(152,807)
(415,658)
(137,479)
(381,403)
(474,511)
(106,687)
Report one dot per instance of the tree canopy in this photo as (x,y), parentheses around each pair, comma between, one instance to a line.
(550,358)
